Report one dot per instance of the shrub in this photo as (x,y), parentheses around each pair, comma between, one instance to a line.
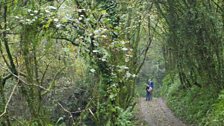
(192,104)
(215,117)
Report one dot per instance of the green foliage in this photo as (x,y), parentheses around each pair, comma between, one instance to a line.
(215,116)
(166,90)
(140,90)
(192,104)
(31,123)
(83,54)
(193,27)
(124,117)
(193,53)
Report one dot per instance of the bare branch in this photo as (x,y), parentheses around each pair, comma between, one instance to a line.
(218,6)
(66,110)
(5,78)
(24,81)
(66,39)
(9,99)
(145,53)
(45,71)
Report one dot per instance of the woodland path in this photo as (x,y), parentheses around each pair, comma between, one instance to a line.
(156,113)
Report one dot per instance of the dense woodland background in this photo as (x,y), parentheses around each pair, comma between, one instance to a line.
(84,62)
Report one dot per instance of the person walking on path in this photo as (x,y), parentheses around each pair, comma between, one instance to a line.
(149,89)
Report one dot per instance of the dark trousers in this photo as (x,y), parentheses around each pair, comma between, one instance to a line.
(148,96)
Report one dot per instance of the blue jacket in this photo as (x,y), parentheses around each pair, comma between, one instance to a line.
(151,84)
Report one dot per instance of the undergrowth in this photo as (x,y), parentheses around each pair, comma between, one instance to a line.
(199,106)
(140,90)
(215,117)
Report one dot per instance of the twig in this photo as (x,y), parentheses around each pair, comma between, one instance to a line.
(218,6)
(53,82)
(25,81)
(66,110)
(43,76)
(91,112)
(9,99)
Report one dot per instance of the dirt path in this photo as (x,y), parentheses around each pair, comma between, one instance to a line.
(156,113)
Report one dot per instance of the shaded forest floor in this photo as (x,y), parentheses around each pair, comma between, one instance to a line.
(156,113)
